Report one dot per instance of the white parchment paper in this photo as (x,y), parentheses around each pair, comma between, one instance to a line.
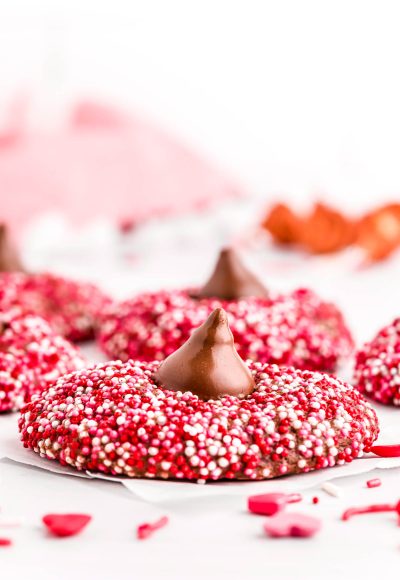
(164,491)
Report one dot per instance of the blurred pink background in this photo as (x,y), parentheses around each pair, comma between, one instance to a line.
(189,103)
(102,163)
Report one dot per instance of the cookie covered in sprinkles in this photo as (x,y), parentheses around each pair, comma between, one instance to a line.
(202,414)
(297,329)
(377,368)
(72,308)
(32,356)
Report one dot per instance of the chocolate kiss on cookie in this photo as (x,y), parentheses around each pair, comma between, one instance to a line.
(9,259)
(231,280)
(207,364)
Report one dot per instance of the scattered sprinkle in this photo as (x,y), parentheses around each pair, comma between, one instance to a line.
(315,499)
(294,498)
(374,482)
(293,525)
(64,525)
(267,504)
(368,509)
(331,489)
(144,531)
(4,542)
(386,450)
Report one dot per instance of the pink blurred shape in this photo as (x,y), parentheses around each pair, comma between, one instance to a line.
(295,525)
(104,163)
(12,130)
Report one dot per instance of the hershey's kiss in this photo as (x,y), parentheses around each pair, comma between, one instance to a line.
(207,364)
(231,280)
(9,259)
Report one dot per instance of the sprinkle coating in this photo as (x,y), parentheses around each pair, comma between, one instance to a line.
(377,368)
(72,308)
(32,356)
(296,329)
(113,418)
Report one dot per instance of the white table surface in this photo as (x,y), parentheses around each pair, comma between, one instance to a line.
(209,537)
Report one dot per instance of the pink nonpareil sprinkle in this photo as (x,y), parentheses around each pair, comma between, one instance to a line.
(293,525)
(374,482)
(144,531)
(268,504)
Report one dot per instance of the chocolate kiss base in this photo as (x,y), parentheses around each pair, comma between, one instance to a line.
(207,364)
(231,280)
(9,259)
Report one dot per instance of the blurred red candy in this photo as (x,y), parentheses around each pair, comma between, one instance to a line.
(64,525)
(268,504)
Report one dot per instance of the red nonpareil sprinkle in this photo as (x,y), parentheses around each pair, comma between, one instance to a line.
(293,525)
(386,450)
(4,542)
(315,499)
(64,525)
(374,482)
(369,509)
(144,531)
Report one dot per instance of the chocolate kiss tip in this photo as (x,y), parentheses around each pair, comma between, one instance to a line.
(9,259)
(207,364)
(231,280)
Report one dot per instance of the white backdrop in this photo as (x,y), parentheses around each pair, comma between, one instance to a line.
(294,97)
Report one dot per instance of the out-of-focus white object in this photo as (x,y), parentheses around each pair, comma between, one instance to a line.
(331,489)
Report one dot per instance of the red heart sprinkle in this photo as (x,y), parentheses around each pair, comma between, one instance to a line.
(63,525)
(268,504)
(293,525)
